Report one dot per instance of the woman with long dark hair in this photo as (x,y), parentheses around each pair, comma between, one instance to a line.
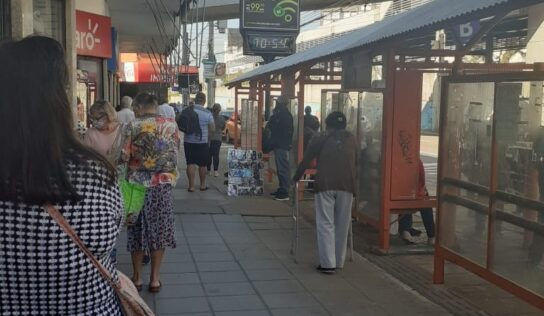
(43,272)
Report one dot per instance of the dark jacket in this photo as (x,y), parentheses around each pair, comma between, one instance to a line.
(281,129)
(336,153)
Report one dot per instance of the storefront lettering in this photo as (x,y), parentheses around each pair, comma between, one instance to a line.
(89,38)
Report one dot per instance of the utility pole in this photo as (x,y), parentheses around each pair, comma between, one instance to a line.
(185,62)
(211,57)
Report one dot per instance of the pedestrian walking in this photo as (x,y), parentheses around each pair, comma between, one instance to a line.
(165,110)
(126,115)
(216,138)
(195,144)
(336,154)
(153,155)
(281,139)
(43,163)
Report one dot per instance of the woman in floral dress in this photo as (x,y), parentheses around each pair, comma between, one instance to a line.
(153,155)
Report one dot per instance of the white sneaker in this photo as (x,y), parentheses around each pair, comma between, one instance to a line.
(430,241)
(216,174)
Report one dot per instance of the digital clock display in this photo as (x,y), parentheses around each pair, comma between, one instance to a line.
(283,44)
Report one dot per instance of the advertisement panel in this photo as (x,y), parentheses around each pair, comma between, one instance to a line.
(93,35)
(270,15)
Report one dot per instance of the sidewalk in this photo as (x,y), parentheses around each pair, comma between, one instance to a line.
(233,258)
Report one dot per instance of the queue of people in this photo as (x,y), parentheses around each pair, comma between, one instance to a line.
(138,145)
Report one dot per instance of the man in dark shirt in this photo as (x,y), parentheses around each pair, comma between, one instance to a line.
(281,138)
(311,125)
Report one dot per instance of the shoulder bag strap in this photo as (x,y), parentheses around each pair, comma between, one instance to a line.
(61,221)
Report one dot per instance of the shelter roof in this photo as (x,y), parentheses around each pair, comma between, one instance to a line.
(438,13)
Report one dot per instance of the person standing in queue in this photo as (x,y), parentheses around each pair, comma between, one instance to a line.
(215,139)
(153,155)
(197,150)
(281,138)
(335,186)
(44,166)
(125,114)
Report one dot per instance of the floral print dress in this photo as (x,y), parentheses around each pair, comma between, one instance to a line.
(152,161)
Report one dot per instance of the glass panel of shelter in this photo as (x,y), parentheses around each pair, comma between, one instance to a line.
(466,169)
(519,133)
(511,113)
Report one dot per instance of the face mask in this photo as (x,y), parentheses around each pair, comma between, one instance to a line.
(99,124)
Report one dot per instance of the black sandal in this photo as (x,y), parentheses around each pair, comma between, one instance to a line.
(155,289)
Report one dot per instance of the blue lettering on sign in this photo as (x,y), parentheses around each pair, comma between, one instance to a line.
(465,32)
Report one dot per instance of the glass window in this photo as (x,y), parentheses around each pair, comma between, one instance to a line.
(93,67)
(5,28)
(49,18)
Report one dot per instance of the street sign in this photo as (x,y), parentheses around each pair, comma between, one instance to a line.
(209,69)
(465,32)
(270,15)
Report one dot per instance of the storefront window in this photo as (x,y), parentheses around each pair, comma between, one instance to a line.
(93,68)
(5,28)
(49,19)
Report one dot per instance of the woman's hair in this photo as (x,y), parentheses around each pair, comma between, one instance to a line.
(36,125)
(216,108)
(336,121)
(103,108)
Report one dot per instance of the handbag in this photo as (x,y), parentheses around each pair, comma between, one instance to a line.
(131,302)
(133,200)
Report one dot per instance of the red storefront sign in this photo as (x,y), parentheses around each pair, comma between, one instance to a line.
(145,71)
(93,35)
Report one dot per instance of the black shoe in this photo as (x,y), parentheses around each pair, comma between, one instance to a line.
(275,192)
(281,197)
(326,270)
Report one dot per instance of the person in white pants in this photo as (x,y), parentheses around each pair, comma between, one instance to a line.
(336,154)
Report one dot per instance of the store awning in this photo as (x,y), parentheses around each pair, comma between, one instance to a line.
(437,14)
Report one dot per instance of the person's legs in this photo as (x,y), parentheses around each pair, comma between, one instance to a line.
(324,217)
(137,258)
(211,157)
(405,222)
(427,217)
(156,260)
(217,151)
(191,164)
(282,166)
(191,176)
(342,218)
(203,157)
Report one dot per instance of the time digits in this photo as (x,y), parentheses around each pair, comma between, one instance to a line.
(274,42)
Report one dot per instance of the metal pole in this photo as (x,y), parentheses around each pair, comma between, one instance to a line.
(185,63)
(211,57)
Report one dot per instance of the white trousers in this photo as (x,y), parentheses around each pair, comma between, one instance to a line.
(333,215)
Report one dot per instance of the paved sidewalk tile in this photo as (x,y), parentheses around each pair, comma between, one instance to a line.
(236,303)
(233,265)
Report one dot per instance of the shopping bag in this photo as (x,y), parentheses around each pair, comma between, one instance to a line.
(133,200)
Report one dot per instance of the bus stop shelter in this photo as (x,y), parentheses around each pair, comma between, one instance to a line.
(379,71)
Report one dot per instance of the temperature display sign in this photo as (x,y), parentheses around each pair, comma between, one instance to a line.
(270,15)
(270,43)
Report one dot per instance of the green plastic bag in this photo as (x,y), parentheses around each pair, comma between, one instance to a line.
(133,200)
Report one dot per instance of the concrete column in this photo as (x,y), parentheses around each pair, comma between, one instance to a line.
(535,46)
(71,54)
(21,19)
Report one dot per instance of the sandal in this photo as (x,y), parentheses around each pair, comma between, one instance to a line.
(138,287)
(204,189)
(190,190)
(155,289)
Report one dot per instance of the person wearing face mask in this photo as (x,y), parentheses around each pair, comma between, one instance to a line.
(106,135)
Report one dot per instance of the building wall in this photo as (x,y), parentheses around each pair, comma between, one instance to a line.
(99,7)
